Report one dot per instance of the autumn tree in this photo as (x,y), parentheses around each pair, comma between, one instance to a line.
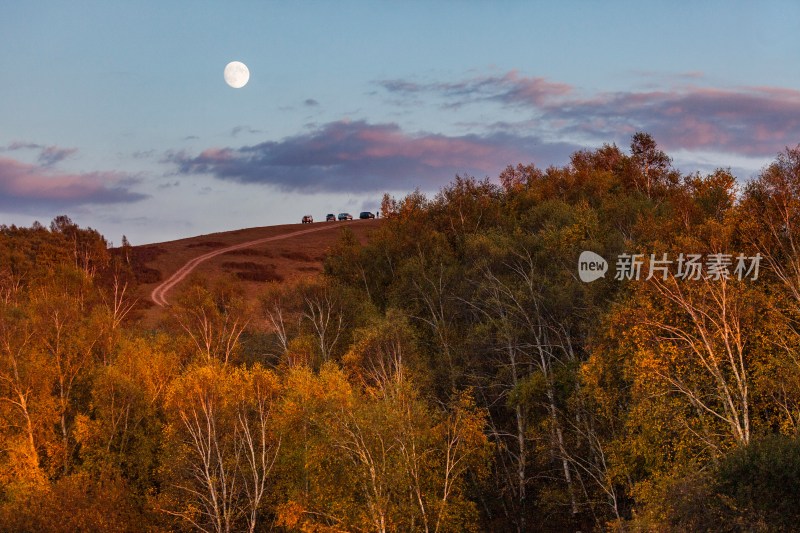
(27,408)
(222,446)
(652,162)
(89,248)
(213,319)
(120,434)
(381,459)
(68,328)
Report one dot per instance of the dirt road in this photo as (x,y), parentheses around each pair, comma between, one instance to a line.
(159,294)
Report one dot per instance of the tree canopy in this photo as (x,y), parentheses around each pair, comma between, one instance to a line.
(451,374)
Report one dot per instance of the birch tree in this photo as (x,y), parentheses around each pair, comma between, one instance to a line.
(223,447)
(213,321)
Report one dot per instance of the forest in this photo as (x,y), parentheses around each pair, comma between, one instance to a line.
(452,374)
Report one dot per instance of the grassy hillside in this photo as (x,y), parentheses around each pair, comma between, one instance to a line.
(279,261)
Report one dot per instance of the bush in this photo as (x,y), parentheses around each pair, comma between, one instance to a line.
(761,483)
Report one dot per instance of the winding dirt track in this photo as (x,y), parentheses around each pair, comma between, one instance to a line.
(159,294)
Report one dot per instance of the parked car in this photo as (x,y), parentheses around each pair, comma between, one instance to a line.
(345,216)
(308,219)
(330,217)
(366,214)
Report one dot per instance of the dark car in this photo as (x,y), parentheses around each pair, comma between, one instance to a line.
(345,216)
(330,217)
(308,219)
(366,214)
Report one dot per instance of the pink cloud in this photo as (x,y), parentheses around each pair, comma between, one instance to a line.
(753,121)
(539,91)
(24,186)
(357,156)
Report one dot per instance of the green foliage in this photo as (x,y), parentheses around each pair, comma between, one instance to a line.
(760,483)
(680,502)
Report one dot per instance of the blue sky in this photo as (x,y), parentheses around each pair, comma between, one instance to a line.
(116,113)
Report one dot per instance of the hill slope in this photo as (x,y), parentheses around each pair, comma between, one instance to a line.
(252,257)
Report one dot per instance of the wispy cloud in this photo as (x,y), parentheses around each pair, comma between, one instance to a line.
(25,186)
(359,157)
(19,145)
(243,129)
(48,155)
(752,121)
(510,89)
(143,154)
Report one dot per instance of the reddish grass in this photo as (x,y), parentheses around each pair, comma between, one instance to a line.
(206,244)
(284,261)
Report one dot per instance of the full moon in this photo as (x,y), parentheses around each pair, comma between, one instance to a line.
(236,74)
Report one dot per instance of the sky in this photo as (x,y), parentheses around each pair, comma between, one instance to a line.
(117,115)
